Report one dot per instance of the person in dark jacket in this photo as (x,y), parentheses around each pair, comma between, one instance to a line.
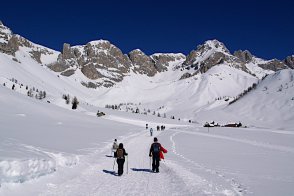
(120,158)
(155,153)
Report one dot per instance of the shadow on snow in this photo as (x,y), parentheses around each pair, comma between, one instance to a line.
(110,172)
(142,170)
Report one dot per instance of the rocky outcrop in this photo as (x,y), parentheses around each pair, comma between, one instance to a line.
(289,61)
(215,59)
(163,61)
(97,60)
(91,72)
(211,53)
(7,43)
(68,73)
(36,55)
(273,65)
(244,56)
(58,67)
(67,52)
(185,76)
(142,63)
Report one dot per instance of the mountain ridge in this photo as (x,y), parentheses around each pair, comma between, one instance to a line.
(104,64)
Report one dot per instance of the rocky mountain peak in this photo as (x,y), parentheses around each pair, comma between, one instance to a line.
(143,64)
(214,45)
(207,55)
(97,60)
(245,56)
(5,34)
(289,61)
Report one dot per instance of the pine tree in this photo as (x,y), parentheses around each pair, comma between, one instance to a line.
(75,103)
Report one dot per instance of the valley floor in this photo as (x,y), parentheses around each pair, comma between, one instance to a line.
(218,161)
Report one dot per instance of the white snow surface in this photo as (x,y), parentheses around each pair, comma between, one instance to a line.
(48,150)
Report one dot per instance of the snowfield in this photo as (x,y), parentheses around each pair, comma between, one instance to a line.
(48,150)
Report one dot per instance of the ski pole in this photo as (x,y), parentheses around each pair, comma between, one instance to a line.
(150,163)
(114,163)
(127,165)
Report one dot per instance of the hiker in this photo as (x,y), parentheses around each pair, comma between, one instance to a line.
(114,146)
(151,131)
(158,128)
(155,152)
(120,158)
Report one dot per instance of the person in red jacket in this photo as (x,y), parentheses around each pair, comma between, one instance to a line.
(156,152)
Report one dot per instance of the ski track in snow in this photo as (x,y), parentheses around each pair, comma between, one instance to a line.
(96,175)
(237,188)
(253,143)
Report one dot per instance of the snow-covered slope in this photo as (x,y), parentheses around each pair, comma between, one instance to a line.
(271,104)
(47,150)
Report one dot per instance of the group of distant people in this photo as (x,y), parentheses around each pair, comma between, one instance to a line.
(162,128)
(156,152)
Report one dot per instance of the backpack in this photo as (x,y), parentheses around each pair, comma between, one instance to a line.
(156,147)
(120,153)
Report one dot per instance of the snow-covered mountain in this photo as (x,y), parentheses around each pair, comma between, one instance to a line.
(99,73)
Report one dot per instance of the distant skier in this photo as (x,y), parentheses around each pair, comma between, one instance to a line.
(120,158)
(156,153)
(158,128)
(146,126)
(151,131)
(114,146)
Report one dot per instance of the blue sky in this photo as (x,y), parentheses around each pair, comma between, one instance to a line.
(263,27)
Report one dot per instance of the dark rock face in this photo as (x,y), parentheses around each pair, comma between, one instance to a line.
(97,60)
(209,54)
(36,55)
(91,72)
(8,42)
(67,53)
(289,61)
(143,64)
(162,61)
(68,72)
(244,56)
(215,59)
(185,76)
(273,65)
(58,67)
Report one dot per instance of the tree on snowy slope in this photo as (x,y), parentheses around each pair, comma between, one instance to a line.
(75,103)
